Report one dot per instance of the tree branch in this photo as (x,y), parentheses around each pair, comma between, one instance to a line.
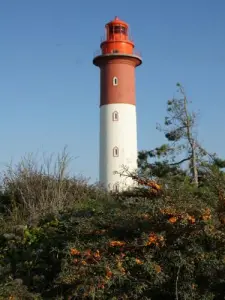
(178,273)
(181,161)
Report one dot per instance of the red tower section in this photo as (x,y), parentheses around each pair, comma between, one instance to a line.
(117,62)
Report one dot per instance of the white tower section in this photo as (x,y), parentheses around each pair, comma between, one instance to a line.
(118,145)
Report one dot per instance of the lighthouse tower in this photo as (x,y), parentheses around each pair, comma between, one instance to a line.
(117,61)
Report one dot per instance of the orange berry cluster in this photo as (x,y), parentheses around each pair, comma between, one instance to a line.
(154,239)
(175,216)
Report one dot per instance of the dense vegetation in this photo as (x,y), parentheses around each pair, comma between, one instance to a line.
(61,238)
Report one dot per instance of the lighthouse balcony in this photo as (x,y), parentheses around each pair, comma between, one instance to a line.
(117,52)
(101,57)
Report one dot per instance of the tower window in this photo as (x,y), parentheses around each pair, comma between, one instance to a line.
(115,116)
(116,187)
(115,81)
(115,151)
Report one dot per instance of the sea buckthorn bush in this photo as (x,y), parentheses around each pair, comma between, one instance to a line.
(168,244)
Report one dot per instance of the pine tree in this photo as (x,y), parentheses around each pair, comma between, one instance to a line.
(179,130)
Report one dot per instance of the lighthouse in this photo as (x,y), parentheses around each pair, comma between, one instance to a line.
(117,61)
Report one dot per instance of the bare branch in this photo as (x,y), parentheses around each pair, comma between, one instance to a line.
(180,162)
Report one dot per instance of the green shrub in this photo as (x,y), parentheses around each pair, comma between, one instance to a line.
(125,246)
(140,250)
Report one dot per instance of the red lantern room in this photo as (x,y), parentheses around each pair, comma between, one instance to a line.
(117,38)
(118,42)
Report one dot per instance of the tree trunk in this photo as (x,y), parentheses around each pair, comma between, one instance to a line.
(192,143)
(194,164)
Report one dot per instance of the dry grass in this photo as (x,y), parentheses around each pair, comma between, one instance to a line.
(37,188)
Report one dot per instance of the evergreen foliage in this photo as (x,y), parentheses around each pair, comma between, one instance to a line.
(137,245)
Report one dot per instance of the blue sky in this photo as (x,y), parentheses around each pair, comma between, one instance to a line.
(49,89)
